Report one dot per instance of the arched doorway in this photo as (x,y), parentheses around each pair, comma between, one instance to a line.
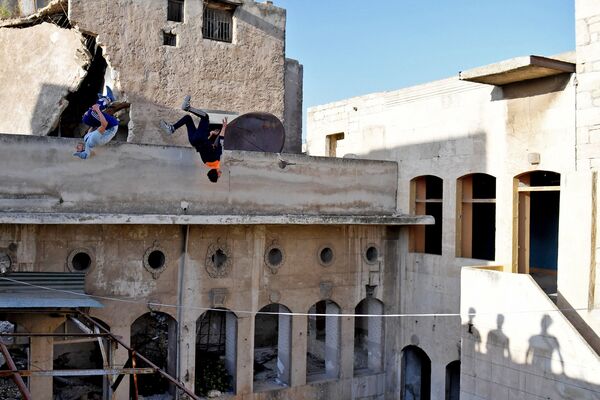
(416,374)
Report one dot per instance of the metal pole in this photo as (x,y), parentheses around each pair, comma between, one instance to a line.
(15,376)
(158,369)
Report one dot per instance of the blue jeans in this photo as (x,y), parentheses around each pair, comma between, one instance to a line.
(95,138)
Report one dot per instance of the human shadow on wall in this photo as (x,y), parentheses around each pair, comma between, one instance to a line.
(493,372)
(543,346)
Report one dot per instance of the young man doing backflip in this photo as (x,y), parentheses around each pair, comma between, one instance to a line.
(208,143)
(103,127)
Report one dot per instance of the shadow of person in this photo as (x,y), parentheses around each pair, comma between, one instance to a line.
(497,343)
(472,339)
(542,347)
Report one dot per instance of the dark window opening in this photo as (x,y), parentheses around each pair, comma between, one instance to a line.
(544,178)
(169,39)
(175,10)
(275,256)
(272,348)
(216,335)
(416,374)
(427,195)
(544,230)
(453,380)
(219,258)
(154,335)
(326,255)
(81,261)
(476,217)
(372,254)
(156,259)
(217,24)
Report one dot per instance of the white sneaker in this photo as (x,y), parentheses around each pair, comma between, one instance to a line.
(186,103)
(168,128)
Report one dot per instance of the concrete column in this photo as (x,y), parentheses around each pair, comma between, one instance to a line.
(375,338)
(332,342)
(42,356)
(187,361)
(347,346)
(284,346)
(245,357)
(120,356)
(438,380)
(230,344)
(299,344)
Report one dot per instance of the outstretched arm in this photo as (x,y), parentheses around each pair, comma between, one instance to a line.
(222,134)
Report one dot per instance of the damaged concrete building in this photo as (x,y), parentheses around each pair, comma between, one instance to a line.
(451,254)
(505,157)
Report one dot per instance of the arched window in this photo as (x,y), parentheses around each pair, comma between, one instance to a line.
(323,342)
(415,374)
(453,380)
(216,345)
(272,348)
(154,335)
(80,353)
(368,337)
(426,199)
(476,216)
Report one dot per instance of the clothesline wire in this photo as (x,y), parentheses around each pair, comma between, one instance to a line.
(239,312)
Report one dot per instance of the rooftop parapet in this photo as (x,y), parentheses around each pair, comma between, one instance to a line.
(41,182)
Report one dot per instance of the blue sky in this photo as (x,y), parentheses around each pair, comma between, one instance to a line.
(354,47)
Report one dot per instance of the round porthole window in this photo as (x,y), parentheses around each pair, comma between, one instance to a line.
(155,260)
(371,254)
(80,260)
(218,260)
(274,257)
(325,255)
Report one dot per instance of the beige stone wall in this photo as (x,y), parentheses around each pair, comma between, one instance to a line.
(587,14)
(39,66)
(451,128)
(242,76)
(117,271)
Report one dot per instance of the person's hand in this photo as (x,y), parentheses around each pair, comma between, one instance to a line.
(224,127)
(96,108)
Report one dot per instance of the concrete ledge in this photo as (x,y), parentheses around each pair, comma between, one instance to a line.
(40,175)
(517,70)
(149,219)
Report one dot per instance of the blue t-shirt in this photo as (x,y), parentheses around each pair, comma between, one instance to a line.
(90,118)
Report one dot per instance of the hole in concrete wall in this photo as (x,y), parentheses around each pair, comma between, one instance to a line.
(326,255)
(80,260)
(272,348)
(18,348)
(169,39)
(453,380)
(175,10)
(368,337)
(156,259)
(70,124)
(219,258)
(415,373)
(275,257)
(76,352)
(323,342)
(216,340)
(154,335)
(372,254)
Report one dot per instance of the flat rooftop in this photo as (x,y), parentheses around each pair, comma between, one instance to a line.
(126,183)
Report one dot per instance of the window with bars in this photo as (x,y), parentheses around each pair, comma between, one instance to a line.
(175,10)
(217,24)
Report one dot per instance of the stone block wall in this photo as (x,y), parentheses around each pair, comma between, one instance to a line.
(242,76)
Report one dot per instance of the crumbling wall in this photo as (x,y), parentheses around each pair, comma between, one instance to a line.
(39,66)
(242,76)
